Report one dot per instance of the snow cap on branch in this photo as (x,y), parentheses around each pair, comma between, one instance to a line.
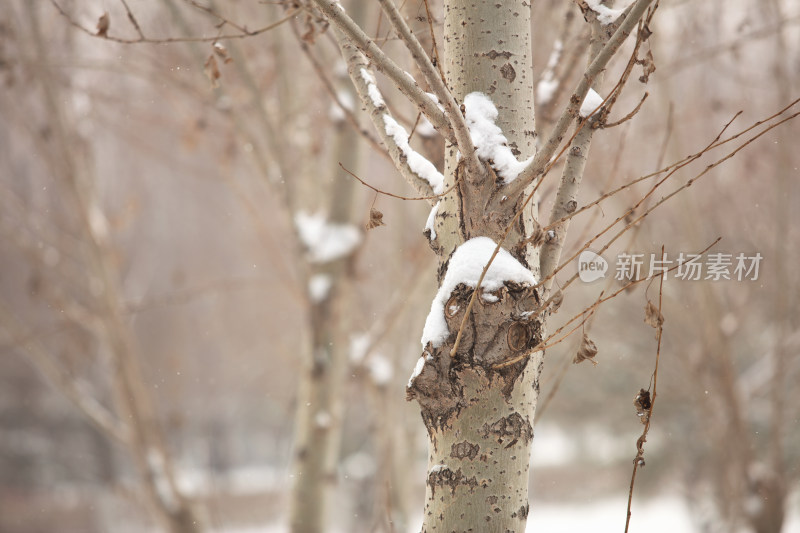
(591,103)
(416,161)
(372,89)
(465,266)
(490,143)
(605,15)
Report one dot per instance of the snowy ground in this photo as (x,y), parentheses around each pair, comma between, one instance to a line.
(661,515)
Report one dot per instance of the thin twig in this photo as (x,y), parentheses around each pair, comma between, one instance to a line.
(583,314)
(348,113)
(639,459)
(167,40)
(475,169)
(629,116)
(222,20)
(434,48)
(133,20)
(400,197)
(657,204)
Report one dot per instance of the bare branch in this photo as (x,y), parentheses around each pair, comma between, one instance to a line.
(630,115)
(167,40)
(537,167)
(639,459)
(475,168)
(336,15)
(357,66)
(133,20)
(664,199)
(95,412)
(348,113)
(572,175)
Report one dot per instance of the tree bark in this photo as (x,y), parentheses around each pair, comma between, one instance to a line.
(479,417)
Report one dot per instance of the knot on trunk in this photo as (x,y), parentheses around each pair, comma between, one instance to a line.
(502,323)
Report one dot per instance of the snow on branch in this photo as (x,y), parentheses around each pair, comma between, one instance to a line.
(605,15)
(632,14)
(490,143)
(348,31)
(591,104)
(420,166)
(435,80)
(372,88)
(417,171)
(465,267)
(326,242)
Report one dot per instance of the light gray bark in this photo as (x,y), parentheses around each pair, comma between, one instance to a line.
(479,419)
(477,406)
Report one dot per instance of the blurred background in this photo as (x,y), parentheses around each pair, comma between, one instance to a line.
(166,294)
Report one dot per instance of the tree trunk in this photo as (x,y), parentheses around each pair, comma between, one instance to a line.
(480,417)
(320,411)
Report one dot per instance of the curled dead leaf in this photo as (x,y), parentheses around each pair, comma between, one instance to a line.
(587,350)
(375,219)
(556,301)
(643,404)
(102,25)
(652,316)
(211,70)
(648,66)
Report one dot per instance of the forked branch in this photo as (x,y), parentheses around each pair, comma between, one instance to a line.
(336,15)
(542,159)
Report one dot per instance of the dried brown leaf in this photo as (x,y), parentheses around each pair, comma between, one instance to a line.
(643,404)
(587,350)
(102,25)
(648,67)
(311,31)
(556,301)
(211,70)
(375,219)
(652,316)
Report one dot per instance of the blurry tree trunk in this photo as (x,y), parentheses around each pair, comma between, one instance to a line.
(319,416)
(319,408)
(142,434)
